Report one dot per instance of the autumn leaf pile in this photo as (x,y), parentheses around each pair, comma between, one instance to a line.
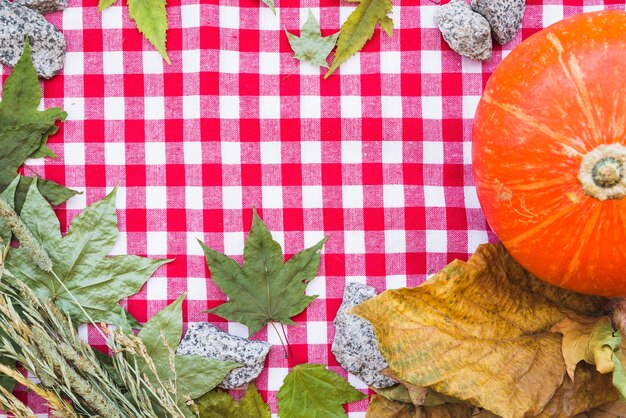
(487,334)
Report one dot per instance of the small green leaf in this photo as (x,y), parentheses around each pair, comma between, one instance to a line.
(265,289)
(311,46)
(151,19)
(218,404)
(312,390)
(9,196)
(105,4)
(359,28)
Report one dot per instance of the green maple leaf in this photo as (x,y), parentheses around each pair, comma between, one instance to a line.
(359,28)
(312,390)
(219,404)
(24,130)
(191,376)
(311,46)
(150,16)
(266,288)
(80,260)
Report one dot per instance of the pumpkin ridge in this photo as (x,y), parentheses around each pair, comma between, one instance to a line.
(538,227)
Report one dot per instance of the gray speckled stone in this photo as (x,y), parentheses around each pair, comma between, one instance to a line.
(207,340)
(504,16)
(467,32)
(43,6)
(47,42)
(355,346)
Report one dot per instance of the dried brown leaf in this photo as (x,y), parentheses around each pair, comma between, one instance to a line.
(610,410)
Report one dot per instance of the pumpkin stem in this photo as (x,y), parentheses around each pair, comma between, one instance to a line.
(602,173)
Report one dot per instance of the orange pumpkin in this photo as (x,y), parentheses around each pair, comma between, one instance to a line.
(549,153)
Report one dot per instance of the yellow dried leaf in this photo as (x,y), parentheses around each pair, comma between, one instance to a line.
(381,407)
(615,409)
(479,332)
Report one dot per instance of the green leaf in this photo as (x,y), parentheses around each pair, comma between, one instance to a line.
(218,404)
(54,192)
(24,130)
(265,289)
(9,196)
(359,28)
(311,46)
(151,19)
(80,260)
(105,4)
(191,376)
(312,390)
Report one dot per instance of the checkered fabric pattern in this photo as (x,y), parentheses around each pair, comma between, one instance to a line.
(377,157)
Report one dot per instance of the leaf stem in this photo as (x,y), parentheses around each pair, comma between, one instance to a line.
(281,339)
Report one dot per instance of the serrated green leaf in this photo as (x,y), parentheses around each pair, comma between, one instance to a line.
(53,192)
(151,19)
(9,196)
(265,289)
(359,28)
(311,46)
(191,375)
(105,4)
(80,260)
(218,404)
(312,390)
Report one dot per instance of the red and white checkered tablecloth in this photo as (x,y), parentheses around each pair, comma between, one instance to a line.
(377,157)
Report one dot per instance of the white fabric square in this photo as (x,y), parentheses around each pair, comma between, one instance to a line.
(112,62)
(229,107)
(231,197)
(310,107)
(157,245)
(269,107)
(111,17)
(469,106)
(233,243)
(231,152)
(270,152)
(73,18)
(467,153)
(434,197)
(192,152)
(154,108)
(114,153)
(436,241)
(316,332)
(395,282)
(391,106)
(358,384)
(79,201)
(156,288)
(119,248)
(193,197)
(74,153)
(392,152)
(395,241)
(430,62)
(74,63)
(229,17)
(193,246)
(352,66)
(152,62)
(393,195)
(268,20)
(156,197)
(471,198)
(190,15)
(272,196)
(317,286)
(312,197)
(75,108)
(552,13)
(475,238)
(155,153)
(432,107)
(352,196)
(312,237)
(275,375)
(196,288)
(351,152)
(354,242)
(390,62)
(229,62)
(120,196)
(433,152)
(269,63)
(470,66)
(427,16)
(191,107)
(350,106)
(311,152)
(191,61)
(238,330)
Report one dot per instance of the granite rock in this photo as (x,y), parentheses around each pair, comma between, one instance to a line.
(47,42)
(43,6)
(467,32)
(504,16)
(355,346)
(207,340)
